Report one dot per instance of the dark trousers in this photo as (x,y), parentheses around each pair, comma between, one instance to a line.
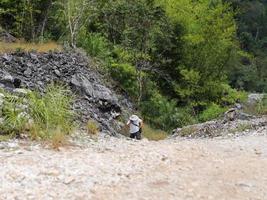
(136,135)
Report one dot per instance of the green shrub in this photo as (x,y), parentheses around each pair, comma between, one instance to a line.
(184,116)
(95,45)
(211,112)
(230,96)
(52,111)
(14,117)
(122,55)
(126,75)
(164,114)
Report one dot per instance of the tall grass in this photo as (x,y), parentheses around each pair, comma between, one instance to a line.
(51,112)
(24,46)
(14,119)
(48,116)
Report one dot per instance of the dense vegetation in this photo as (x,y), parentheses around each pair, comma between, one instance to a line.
(47,116)
(181,61)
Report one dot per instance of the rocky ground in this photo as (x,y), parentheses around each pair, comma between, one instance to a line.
(117,168)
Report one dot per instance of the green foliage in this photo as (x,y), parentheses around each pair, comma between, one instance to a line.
(211,112)
(126,75)
(51,111)
(95,45)
(208,43)
(164,114)
(231,96)
(14,116)
(25,18)
(251,74)
(40,116)
(153,134)
(159,111)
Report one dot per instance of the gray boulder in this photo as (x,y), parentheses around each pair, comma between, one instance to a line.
(235,114)
(99,93)
(255,98)
(6,79)
(20,91)
(82,84)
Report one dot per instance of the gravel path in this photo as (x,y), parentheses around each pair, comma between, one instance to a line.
(119,169)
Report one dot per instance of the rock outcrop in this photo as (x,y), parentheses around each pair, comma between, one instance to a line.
(255,98)
(234,123)
(94,100)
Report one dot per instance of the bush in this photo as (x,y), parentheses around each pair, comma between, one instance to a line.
(51,112)
(14,116)
(184,116)
(211,112)
(95,45)
(164,114)
(230,96)
(126,75)
(47,116)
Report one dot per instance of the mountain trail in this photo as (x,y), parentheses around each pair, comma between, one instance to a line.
(112,168)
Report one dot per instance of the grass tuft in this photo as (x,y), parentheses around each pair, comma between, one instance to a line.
(51,111)
(58,138)
(92,127)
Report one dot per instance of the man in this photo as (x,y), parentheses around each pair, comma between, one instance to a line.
(135,124)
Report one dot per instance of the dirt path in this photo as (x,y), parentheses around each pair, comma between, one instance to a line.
(219,169)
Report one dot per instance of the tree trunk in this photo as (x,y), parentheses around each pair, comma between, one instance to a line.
(41,28)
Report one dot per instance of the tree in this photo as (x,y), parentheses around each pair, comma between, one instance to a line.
(76,14)
(26,18)
(208,44)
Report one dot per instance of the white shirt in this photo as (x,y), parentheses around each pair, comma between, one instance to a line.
(134,125)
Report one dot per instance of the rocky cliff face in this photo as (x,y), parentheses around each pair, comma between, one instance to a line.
(94,99)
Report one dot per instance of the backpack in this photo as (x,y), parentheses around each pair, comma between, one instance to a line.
(140,129)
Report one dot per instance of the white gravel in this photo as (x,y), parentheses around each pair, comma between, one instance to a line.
(120,169)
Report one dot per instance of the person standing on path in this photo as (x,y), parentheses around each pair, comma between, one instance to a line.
(135,124)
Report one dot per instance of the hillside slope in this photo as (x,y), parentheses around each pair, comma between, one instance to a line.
(95,98)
